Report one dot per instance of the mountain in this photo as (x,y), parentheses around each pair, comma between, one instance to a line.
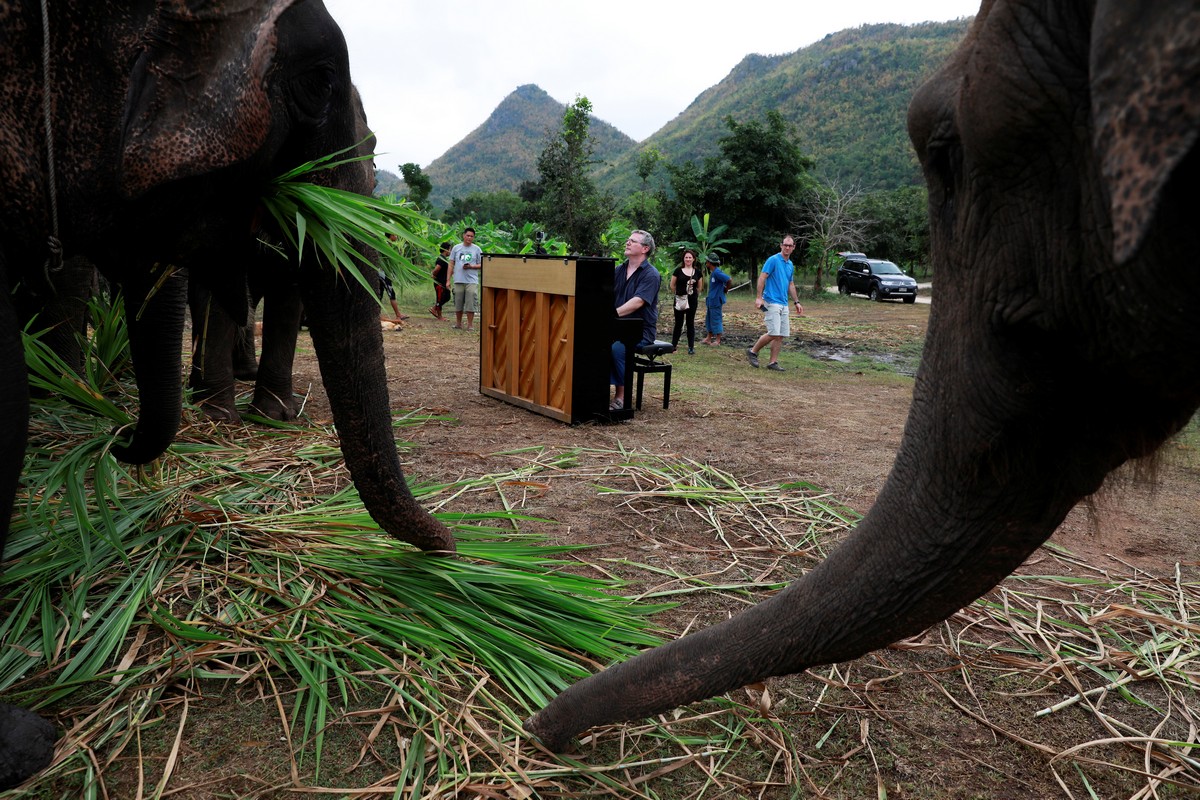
(847,95)
(503,151)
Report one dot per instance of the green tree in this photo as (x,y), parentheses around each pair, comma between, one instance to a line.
(647,162)
(568,202)
(419,185)
(755,185)
(643,206)
(500,207)
(898,227)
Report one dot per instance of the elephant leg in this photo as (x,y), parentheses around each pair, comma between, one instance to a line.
(14,408)
(26,740)
(61,308)
(26,745)
(274,397)
(214,335)
(245,362)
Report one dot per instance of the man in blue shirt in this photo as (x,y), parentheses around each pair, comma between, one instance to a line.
(718,283)
(635,293)
(775,288)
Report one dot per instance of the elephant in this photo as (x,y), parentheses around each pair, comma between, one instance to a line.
(162,125)
(1058,144)
(172,119)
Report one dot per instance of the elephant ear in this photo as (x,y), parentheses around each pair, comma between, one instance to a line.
(1145,83)
(197,98)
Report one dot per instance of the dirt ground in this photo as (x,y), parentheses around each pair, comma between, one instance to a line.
(834,434)
(834,422)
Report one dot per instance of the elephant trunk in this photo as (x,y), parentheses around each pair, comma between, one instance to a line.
(974,490)
(857,600)
(155,317)
(343,320)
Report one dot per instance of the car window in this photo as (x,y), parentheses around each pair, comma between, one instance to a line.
(886,268)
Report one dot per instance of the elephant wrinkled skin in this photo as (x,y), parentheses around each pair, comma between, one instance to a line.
(1059,147)
(168,120)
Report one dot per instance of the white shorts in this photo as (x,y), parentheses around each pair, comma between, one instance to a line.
(776,317)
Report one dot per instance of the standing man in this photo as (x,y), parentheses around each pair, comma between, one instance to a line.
(384,286)
(775,288)
(714,317)
(635,293)
(467,260)
(384,282)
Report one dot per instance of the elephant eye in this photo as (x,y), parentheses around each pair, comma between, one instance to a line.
(943,169)
(312,90)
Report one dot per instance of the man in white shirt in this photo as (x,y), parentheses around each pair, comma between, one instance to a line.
(467,260)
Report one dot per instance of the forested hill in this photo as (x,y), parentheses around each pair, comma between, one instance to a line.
(846,94)
(503,151)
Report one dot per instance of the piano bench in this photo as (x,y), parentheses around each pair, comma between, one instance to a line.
(645,359)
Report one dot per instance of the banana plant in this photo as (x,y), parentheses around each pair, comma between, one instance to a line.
(707,240)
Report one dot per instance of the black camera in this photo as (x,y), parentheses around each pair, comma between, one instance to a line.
(540,236)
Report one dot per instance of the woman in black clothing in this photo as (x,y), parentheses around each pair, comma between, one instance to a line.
(687,283)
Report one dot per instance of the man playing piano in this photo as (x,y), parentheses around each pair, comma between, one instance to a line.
(635,291)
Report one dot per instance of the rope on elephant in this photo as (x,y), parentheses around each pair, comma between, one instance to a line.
(54,260)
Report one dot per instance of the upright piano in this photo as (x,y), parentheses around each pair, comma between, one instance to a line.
(547,332)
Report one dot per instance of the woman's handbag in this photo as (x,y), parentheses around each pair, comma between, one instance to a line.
(681,302)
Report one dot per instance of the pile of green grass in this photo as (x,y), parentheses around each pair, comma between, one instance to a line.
(246,552)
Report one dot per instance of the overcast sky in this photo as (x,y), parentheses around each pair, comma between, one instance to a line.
(431,71)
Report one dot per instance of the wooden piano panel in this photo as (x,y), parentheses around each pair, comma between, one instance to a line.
(531,353)
(494,371)
(528,350)
(560,345)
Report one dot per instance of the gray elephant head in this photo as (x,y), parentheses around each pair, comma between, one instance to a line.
(1059,147)
(169,120)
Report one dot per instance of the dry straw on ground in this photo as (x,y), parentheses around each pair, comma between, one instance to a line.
(272,614)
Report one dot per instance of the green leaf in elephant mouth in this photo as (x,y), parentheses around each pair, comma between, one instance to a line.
(333,220)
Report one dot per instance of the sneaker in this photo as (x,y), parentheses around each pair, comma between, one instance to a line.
(616,405)
(774,367)
(691,351)
(753,356)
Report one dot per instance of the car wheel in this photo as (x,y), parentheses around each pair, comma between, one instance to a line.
(911,300)
(843,288)
(876,295)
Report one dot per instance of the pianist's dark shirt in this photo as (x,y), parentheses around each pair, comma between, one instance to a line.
(643,283)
